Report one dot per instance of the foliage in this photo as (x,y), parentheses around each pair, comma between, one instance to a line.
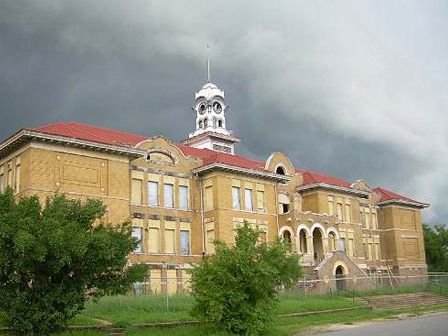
(436,247)
(53,258)
(236,287)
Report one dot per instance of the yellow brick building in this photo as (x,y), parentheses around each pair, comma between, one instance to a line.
(181,197)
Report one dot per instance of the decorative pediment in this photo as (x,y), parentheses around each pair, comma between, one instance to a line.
(279,163)
(362,185)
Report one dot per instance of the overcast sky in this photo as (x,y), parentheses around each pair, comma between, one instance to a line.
(356,89)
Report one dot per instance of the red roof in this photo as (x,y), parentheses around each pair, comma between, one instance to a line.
(387,195)
(119,138)
(310,177)
(91,133)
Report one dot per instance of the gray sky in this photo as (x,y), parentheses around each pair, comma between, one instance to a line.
(357,89)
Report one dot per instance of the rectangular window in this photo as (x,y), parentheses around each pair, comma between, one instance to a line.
(184,242)
(369,251)
(339,210)
(210,240)
(248,199)
(377,251)
(348,213)
(169,241)
(260,201)
(153,193)
(183,197)
(236,205)
(331,205)
(17,179)
(168,195)
(362,217)
(374,220)
(137,234)
(367,214)
(351,247)
(153,240)
(10,176)
(136,195)
(208,198)
(342,244)
(1,182)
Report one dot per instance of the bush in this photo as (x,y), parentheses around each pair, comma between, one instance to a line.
(53,259)
(236,287)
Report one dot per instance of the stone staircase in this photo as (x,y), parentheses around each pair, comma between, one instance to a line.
(402,301)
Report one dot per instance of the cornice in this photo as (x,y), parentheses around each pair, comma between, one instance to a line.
(360,193)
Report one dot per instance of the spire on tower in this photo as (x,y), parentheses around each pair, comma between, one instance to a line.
(208,62)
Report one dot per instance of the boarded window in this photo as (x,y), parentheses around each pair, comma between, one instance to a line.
(248,199)
(236,205)
(377,251)
(169,241)
(137,234)
(260,200)
(208,198)
(367,216)
(342,244)
(183,197)
(350,247)
(210,240)
(330,205)
(168,195)
(136,197)
(184,242)
(153,240)
(348,213)
(17,179)
(374,220)
(410,246)
(153,193)
(369,251)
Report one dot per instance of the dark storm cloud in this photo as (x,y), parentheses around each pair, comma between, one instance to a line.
(354,89)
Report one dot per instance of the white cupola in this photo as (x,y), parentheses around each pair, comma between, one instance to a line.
(210,108)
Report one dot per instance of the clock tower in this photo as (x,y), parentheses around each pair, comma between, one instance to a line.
(210,108)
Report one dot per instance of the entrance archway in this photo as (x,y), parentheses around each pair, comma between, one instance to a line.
(302,241)
(318,244)
(340,281)
(286,237)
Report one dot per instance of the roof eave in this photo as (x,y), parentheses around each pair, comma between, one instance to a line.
(30,135)
(404,203)
(240,170)
(327,186)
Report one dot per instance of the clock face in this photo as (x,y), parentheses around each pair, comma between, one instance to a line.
(202,108)
(217,107)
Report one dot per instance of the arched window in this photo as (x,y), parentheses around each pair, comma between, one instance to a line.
(302,241)
(214,122)
(220,123)
(280,170)
(205,123)
(200,124)
(286,237)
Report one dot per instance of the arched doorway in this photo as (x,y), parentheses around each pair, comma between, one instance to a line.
(286,237)
(318,245)
(302,241)
(340,281)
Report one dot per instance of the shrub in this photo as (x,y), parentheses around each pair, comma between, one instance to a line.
(236,287)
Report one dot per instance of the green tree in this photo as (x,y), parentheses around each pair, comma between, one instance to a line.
(236,287)
(436,247)
(54,258)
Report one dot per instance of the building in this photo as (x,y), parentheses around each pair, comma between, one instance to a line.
(181,197)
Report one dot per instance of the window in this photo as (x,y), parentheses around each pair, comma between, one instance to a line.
(369,251)
(200,123)
(236,205)
(374,220)
(136,196)
(184,242)
(377,251)
(137,234)
(17,178)
(339,211)
(214,122)
(168,197)
(367,215)
(153,193)
(260,200)
(169,241)
(342,244)
(208,198)
(363,218)
(280,170)
(205,123)
(219,123)
(210,239)
(153,240)
(331,205)
(1,182)
(283,203)
(348,212)
(351,248)
(248,199)
(183,197)
(9,175)
(332,241)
